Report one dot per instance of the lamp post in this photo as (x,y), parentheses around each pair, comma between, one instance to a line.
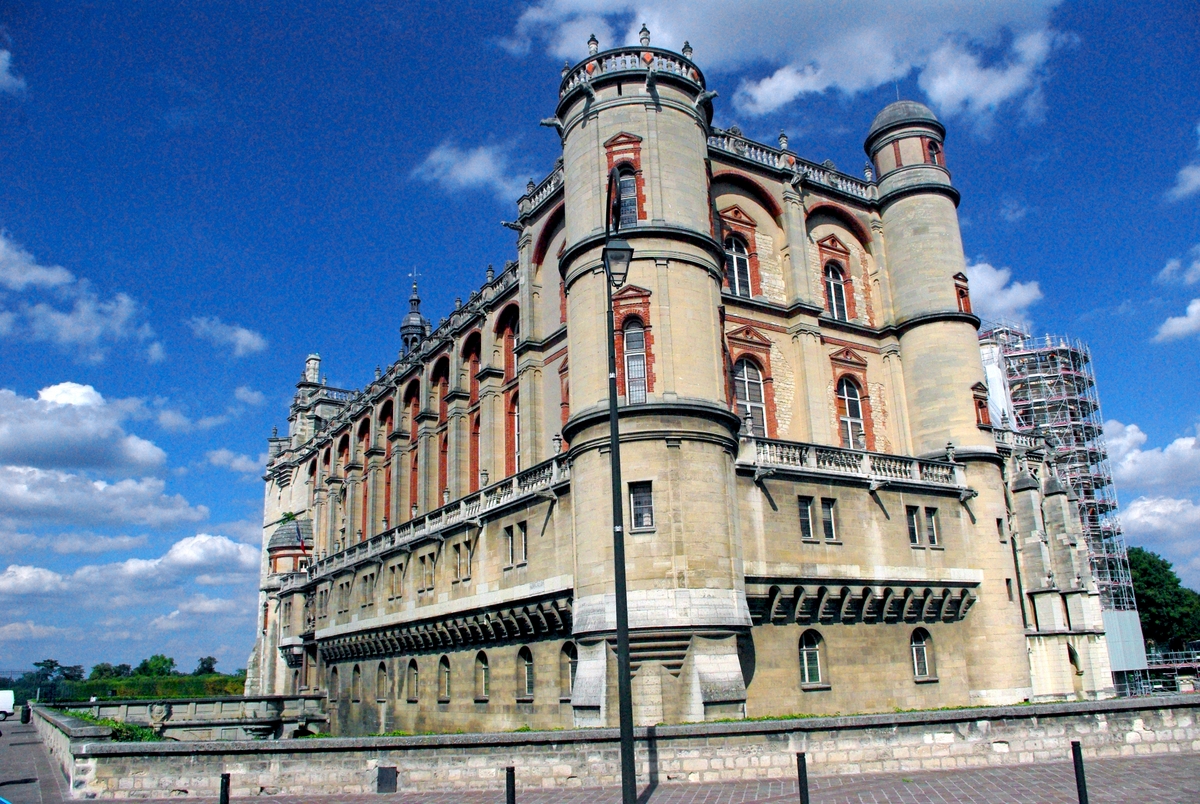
(617,255)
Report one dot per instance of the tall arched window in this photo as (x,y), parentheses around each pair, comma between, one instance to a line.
(356,685)
(413,682)
(850,414)
(934,153)
(737,266)
(810,658)
(381,682)
(513,458)
(483,677)
(835,291)
(444,679)
(473,455)
(525,674)
(748,390)
(443,464)
(921,646)
(627,187)
(635,362)
(568,663)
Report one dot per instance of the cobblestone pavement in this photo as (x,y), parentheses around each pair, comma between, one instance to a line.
(27,777)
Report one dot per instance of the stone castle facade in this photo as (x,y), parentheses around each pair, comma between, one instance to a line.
(820,515)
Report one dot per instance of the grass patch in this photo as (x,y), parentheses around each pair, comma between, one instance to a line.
(121,732)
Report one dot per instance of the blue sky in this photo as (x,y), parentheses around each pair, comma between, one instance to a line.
(193,198)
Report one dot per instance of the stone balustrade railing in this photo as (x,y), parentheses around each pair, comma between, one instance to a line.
(874,467)
(533,200)
(633,60)
(733,143)
(537,479)
(1009,438)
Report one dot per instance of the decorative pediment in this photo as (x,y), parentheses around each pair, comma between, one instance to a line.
(737,216)
(848,357)
(749,336)
(831,243)
(631,293)
(960,277)
(979,389)
(624,138)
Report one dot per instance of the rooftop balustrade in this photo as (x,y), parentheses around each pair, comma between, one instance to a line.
(732,142)
(637,60)
(873,468)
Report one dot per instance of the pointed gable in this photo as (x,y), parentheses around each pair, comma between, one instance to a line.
(848,357)
(738,216)
(831,243)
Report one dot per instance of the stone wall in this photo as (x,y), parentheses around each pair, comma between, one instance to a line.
(666,754)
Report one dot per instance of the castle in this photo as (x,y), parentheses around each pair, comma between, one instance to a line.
(820,515)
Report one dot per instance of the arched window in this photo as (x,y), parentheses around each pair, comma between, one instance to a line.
(737,266)
(921,646)
(935,151)
(381,682)
(513,456)
(413,682)
(444,465)
(473,455)
(810,658)
(356,685)
(835,291)
(748,390)
(525,674)
(295,682)
(568,663)
(635,362)
(850,414)
(483,677)
(335,687)
(627,189)
(444,679)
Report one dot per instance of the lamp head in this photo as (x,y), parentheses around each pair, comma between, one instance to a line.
(617,255)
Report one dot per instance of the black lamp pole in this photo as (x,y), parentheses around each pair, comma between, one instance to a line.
(617,255)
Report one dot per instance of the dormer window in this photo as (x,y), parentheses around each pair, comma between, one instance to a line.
(962,293)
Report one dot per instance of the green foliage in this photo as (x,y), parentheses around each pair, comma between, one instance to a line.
(1169,611)
(164,687)
(49,670)
(105,670)
(206,666)
(121,732)
(156,666)
(395,734)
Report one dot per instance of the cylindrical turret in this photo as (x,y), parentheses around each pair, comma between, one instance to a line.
(930,305)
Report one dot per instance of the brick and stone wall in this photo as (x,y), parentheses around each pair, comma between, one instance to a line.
(666,754)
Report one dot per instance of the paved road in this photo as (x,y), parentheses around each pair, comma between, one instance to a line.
(27,777)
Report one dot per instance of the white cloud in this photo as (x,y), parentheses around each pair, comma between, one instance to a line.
(29,494)
(1186,269)
(995,297)
(1174,468)
(29,630)
(71,426)
(485,166)
(1167,526)
(69,543)
(1187,183)
(249,395)
(9,83)
(178,422)
(1012,210)
(1181,326)
(26,580)
(18,269)
(236,462)
(970,58)
(249,531)
(214,330)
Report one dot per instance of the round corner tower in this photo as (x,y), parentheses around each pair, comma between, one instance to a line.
(645,112)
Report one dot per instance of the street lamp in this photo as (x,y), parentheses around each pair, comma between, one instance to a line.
(617,255)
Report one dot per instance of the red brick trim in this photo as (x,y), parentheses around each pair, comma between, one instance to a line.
(983,416)
(896,151)
(748,342)
(751,322)
(962,292)
(756,190)
(847,363)
(831,249)
(510,455)
(626,149)
(549,230)
(632,301)
(734,220)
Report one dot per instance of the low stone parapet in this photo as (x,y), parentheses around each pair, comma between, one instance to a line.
(707,752)
(222,718)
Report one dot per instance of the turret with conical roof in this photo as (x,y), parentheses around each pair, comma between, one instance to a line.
(414,325)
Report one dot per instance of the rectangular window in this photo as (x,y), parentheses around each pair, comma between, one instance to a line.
(914,524)
(522,542)
(641,505)
(429,570)
(931,526)
(806,524)
(421,581)
(1000,529)
(920,660)
(628,190)
(1008,588)
(635,377)
(457,563)
(509,547)
(828,519)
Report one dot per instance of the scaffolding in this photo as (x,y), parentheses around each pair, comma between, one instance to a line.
(1050,390)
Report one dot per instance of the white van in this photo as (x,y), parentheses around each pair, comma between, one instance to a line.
(6,704)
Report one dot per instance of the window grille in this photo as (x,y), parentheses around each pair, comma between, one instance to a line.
(635,363)
(629,207)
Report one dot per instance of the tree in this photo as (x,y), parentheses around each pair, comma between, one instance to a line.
(72,672)
(1169,611)
(105,670)
(206,666)
(156,666)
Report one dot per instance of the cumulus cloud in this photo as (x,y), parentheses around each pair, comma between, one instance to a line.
(1180,326)
(10,83)
(249,531)
(483,167)
(1187,182)
(24,580)
(1184,269)
(32,495)
(995,297)
(12,632)
(1174,468)
(197,609)
(235,461)
(71,426)
(248,395)
(69,543)
(19,270)
(1167,526)
(243,341)
(970,58)
(1012,210)
(178,422)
